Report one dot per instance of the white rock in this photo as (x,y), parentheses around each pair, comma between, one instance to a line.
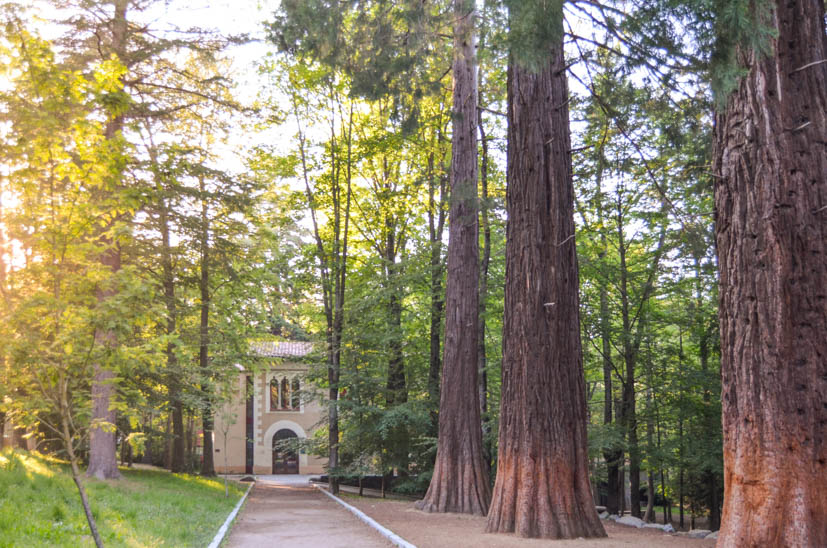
(632,521)
(712,535)
(613,517)
(668,528)
(654,526)
(603,515)
(699,533)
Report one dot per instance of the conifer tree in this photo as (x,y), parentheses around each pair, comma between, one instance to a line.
(542,487)
(771,230)
(460,479)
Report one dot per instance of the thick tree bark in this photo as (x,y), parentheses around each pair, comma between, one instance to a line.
(771,228)
(460,480)
(103,457)
(542,487)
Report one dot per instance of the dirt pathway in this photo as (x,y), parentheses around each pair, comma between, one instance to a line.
(298,516)
(462,531)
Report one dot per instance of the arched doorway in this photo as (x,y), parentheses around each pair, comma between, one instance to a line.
(285,461)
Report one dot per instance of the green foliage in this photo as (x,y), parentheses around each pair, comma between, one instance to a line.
(535,28)
(387,49)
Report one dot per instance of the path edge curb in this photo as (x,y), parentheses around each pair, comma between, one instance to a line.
(225,527)
(395,539)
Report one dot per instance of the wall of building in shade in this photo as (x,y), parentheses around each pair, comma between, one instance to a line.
(255,411)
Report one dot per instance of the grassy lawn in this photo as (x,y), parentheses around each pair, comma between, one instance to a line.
(40,506)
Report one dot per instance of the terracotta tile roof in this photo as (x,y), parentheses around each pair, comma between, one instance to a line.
(281,349)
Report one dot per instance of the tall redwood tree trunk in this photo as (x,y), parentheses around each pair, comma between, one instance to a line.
(542,487)
(460,480)
(771,203)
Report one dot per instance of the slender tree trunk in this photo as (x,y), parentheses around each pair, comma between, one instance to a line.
(333,273)
(649,515)
(681,441)
(629,413)
(396,386)
(483,295)
(168,442)
(436,227)
(174,373)
(77,477)
(460,479)
(613,455)
(207,421)
(771,229)
(542,487)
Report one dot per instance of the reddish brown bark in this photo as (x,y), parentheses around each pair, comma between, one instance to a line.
(460,480)
(542,487)
(771,202)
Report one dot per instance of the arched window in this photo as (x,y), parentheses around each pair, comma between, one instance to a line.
(274,394)
(295,403)
(285,393)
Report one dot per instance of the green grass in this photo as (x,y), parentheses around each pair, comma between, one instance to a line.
(40,506)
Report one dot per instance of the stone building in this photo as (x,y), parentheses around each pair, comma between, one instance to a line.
(269,407)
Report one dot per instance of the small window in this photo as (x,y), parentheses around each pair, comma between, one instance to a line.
(285,393)
(295,403)
(274,395)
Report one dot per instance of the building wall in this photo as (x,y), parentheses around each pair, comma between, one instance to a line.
(266,423)
(12,438)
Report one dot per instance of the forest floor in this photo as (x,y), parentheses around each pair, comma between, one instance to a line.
(463,531)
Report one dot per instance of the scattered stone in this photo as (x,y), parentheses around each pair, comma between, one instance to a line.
(668,528)
(632,521)
(654,526)
(603,515)
(712,535)
(613,517)
(699,533)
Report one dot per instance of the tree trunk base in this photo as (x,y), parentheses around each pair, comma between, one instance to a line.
(548,502)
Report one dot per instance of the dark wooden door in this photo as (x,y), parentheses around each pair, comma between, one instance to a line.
(285,460)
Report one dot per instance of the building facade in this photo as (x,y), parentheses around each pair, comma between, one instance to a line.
(253,431)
